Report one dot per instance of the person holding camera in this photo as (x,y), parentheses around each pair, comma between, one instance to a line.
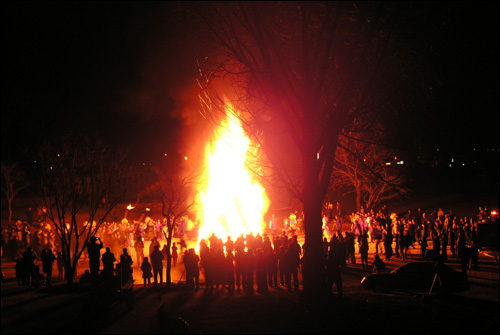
(94,251)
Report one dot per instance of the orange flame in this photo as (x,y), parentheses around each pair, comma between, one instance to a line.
(232,202)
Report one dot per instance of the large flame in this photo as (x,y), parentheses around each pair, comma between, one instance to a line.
(232,202)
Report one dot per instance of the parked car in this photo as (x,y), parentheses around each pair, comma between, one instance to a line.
(418,277)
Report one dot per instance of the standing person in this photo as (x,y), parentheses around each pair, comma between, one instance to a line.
(248,271)
(239,266)
(281,264)
(388,238)
(191,260)
(126,266)
(139,249)
(261,271)
(272,267)
(219,261)
(154,243)
(350,247)
(292,263)
(48,259)
(229,270)
(463,252)
(108,263)
(94,250)
(404,244)
(453,239)
(444,245)
(377,236)
(423,246)
(436,244)
(157,263)
(146,271)
(28,265)
(363,250)
(175,255)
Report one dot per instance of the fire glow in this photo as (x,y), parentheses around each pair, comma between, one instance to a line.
(232,202)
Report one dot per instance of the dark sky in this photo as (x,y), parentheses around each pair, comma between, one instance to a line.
(120,68)
(107,66)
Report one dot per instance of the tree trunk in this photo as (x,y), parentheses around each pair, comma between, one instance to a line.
(313,270)
(69,273)
(10,212)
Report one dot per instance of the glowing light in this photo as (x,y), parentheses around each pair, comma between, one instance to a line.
(129,207)
(233,203)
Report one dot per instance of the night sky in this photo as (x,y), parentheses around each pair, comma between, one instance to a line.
(122,69)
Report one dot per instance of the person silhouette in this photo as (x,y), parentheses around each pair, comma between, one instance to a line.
(378,265)
(146,268)
(48,259)
(126,262)
(94,250)
(108,263)
(157,263)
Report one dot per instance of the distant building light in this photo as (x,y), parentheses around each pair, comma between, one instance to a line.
(185,158)
(450,165)
(437,149)
(317,155)
(388,163)
(463,164)
(400,162)
(452,160)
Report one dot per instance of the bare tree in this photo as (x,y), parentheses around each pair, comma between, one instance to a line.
(77,174)
(13,182)
(369,169)
(174,193)
(299,73)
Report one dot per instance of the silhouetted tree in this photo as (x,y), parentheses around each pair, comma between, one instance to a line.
(369,168)
(77,173)
(13,182)
(174,193)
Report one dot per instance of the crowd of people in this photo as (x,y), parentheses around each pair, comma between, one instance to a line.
(251,260)
(437,234)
